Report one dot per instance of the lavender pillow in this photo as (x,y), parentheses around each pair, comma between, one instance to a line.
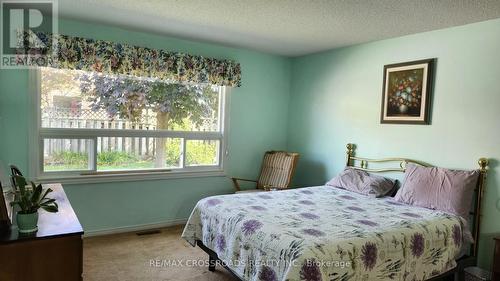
(439,188)
(363,182)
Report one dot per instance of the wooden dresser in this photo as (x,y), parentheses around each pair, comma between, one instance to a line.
(496,261)
(53,253)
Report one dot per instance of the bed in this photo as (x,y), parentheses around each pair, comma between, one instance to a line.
(325,233)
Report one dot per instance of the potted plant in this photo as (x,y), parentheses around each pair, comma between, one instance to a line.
(29,200)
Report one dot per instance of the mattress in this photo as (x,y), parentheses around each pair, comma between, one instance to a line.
(325,233)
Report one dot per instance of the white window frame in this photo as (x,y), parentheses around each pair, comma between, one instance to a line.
(37,135)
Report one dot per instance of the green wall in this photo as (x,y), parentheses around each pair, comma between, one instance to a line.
(258,123)
(336,96)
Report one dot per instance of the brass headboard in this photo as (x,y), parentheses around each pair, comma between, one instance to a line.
(363,164)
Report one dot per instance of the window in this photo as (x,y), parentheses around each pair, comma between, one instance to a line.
(94,125)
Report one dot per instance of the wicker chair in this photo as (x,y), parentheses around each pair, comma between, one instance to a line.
(276,172)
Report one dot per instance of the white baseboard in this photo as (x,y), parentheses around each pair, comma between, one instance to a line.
(133,228)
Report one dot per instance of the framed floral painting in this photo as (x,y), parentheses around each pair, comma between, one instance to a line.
(407,92)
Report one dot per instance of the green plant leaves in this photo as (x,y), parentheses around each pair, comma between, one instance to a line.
(51,209)
(20,182)
(37,190)
(31,199)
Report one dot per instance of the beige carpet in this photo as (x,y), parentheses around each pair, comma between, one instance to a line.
(125,257)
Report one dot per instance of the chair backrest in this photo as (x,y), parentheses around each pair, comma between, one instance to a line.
(277,169)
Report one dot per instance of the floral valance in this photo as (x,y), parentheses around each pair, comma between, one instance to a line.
(77,53)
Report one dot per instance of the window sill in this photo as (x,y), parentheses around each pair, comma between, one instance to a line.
(127,176)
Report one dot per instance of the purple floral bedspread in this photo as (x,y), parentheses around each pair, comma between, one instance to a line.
(325,233)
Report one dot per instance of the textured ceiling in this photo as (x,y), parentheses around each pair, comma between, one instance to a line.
(285,27)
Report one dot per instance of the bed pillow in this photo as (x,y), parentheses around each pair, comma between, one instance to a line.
(438,188)
(363,182)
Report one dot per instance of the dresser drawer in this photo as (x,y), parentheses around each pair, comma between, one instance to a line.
(54,259)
